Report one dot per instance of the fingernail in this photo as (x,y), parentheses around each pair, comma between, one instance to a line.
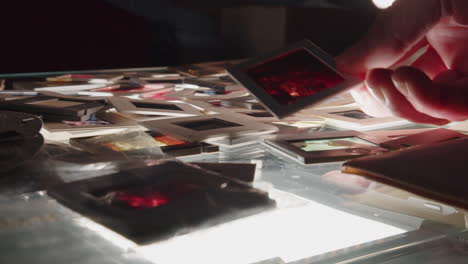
(351,70)
(376,93)
(443,123)
(435,121)
(401,85)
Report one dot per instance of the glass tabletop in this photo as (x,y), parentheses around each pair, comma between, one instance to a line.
(321,216)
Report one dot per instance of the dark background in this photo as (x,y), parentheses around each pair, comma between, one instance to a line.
(53,35)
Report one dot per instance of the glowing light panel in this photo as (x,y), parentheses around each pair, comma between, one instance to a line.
(382,4)
(291,234)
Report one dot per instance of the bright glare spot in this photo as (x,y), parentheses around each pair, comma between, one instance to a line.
(291,234)
(382,4)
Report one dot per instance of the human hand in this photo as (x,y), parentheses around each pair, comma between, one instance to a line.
(434,89)
(347,183)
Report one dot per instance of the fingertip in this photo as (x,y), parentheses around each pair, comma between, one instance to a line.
(377,77)
(381,82)
(349,63)
(440,122)
(407,73)
(350,69)
(449,76)
(368,103)
(429,97)
(407,79)
(377,80)
(434,121)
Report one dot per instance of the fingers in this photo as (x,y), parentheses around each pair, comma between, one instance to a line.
(411,94)
(448,76)
(442,100)
(430,63)
(383,89)
(449,40)
(350,183)
(368,103)
(395,33)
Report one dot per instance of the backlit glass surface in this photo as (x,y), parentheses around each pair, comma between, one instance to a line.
(331,144)
(355,114)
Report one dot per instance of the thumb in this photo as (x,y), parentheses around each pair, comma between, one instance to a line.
(444,98)
(397,31)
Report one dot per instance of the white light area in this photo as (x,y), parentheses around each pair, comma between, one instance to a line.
(301,124)
(65,136)
(99,81)
(382,4)
(70,89)
(291,234)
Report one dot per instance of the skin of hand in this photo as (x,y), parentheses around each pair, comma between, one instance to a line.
(434,88)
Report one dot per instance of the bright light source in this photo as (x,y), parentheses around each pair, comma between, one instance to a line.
(295,230)
(382,4)
(291,234)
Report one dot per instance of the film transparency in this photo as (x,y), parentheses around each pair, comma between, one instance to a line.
(351,117)
(154,203)
(326,146)
(291,79)
(150,107)
(200,128)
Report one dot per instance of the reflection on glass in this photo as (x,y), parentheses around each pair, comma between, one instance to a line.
(355,114)
(163,141)
(311,145)
(120,146)
(291,234)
